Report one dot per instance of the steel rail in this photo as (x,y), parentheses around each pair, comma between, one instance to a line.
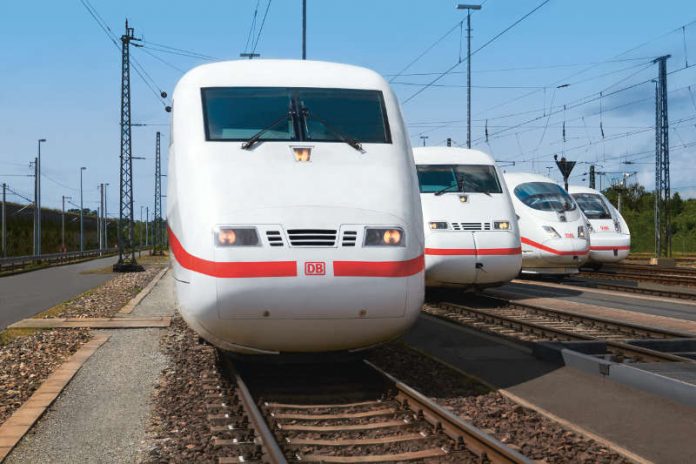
(538,329)
(270,446)
(589,284)
(486,447)
(464,435)
(666,279)
(630,327)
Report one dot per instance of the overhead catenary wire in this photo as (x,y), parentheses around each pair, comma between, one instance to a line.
(486,44)
(428,49)
(263,22)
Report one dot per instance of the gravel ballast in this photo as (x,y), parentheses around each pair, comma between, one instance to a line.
(26,361)
(179,429)
(107,299)
(532,434)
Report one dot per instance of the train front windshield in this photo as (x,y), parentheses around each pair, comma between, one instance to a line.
(294,114)
(545,196)
(592,205)
(467,178)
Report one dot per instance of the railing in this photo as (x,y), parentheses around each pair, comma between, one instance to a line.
(13,263)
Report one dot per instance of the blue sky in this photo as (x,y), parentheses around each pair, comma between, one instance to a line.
(60,78)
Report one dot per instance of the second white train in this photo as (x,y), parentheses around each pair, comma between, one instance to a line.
(471,234)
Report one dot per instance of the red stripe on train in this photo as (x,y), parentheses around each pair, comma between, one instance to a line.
(379,268)
(230,269)
(242,269)
(473,251)
(553,250)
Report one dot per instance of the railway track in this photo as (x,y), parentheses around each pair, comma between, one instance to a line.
(531,324)
(603,285)
(352,412)
(660,276)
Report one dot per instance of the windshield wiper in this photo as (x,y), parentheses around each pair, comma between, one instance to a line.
(256,137)
(342,137)
(440,192)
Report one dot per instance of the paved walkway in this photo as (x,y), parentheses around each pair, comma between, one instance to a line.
(650,426)
(101,416)
(24,295)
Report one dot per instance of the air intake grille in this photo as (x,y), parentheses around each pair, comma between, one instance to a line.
(312,237)
(274,238)
(349,237)
(466,225)
(486,226)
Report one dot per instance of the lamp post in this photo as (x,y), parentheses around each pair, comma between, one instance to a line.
(424,138)
(82,224)
(140,248)
(38,199)
(468,9)
(62,225)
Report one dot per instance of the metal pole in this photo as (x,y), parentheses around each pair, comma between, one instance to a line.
(62,227)
(34,248)
(468,78)
(658,185)
(140,251)
(147,221)
(424,138)
(304,29)
(4,224)
(106,219)
(82,225)
(38,196)
(126,233)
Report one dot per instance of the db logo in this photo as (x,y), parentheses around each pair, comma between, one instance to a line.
(569,235)
(315,268)
(605,227)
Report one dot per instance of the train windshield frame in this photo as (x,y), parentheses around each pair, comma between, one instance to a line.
(592,205)
(313,114)
(468,178)
(545,196)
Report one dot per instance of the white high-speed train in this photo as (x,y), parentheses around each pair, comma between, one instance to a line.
(471,233)
(610,239)
(554,235)
(293,206)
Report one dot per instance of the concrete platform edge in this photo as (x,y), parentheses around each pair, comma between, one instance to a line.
(635,377)
(130,306)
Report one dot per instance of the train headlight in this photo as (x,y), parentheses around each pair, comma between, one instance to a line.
(236,236)
(581,231)
(551,232)
(617,226)
(438,225)
(501,225)
(302,153)
(384,236)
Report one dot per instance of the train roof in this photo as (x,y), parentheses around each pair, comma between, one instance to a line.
(283,73)
(450,155)
(514,179)
(582,189)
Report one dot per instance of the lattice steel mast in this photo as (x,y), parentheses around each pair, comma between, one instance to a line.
(663,223)
(126,243)
(158,242)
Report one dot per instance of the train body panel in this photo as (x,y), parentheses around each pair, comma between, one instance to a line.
(302,242)
(610,238)
(466,244)
(553,231)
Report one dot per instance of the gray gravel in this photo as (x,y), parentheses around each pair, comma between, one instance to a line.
(101,416)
